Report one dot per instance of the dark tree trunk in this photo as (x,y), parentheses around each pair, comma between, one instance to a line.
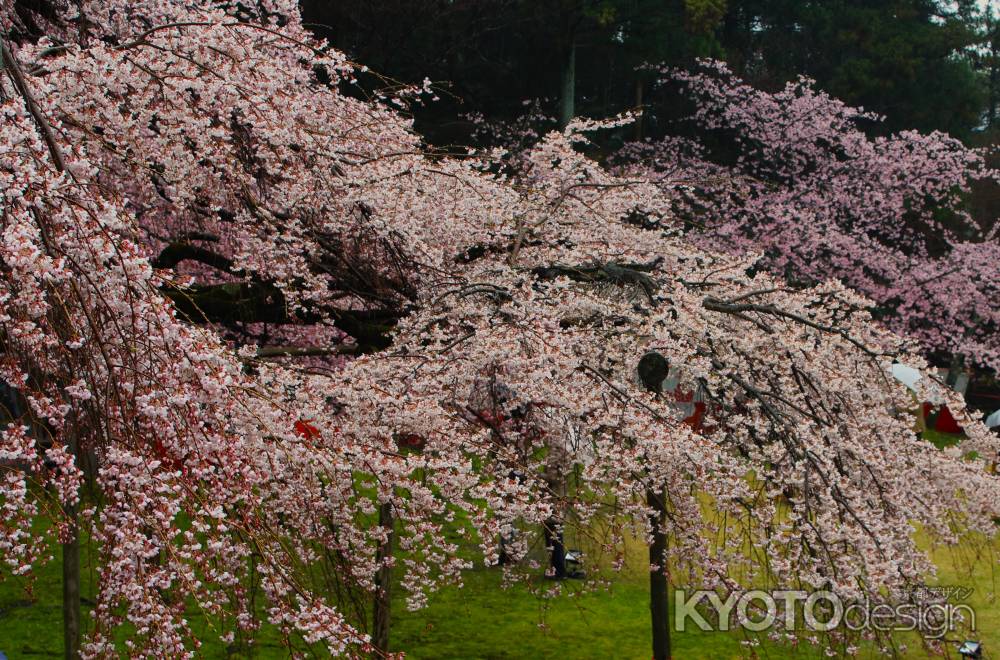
(71,579)
(236,303)
(71,548)
(994,34)
(567,99)
(381,615)
(659,596)
(638,106)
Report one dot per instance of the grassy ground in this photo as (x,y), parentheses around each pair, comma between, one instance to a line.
(31,625)
(942,440)
(483,620)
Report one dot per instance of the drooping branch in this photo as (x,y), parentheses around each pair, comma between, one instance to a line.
(741,309)
(370,328)
(231,303)
(269,352)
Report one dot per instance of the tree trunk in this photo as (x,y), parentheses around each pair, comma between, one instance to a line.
(567,99)
(992,109)
(71,577)
(991,30)
(638,106)
(71,548)
(659,596)
(383,583)
(552,528)
(71,591)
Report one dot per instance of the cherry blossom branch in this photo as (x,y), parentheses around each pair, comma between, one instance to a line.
(718,305)
(621,274)
(10,64)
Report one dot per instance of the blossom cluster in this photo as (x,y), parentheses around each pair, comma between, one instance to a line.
(803,184)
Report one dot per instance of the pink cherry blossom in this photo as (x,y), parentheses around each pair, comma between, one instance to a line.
(819,199)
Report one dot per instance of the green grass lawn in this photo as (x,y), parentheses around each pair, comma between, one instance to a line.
(942,440)
(479,620)
(483,620)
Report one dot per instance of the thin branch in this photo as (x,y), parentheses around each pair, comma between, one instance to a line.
(727,307)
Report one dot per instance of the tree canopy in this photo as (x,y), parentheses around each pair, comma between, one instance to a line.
(254,310)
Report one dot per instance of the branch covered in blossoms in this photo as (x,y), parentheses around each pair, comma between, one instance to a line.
(792,175)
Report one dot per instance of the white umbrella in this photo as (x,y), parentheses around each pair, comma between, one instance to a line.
(993,420)
(906,375)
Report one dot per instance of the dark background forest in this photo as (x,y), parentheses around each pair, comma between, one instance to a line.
(924,64)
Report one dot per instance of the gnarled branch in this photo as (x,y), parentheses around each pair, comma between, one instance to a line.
(613,273)
(254,302)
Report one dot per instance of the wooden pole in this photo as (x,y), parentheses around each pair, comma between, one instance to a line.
(71,563)
(567,99)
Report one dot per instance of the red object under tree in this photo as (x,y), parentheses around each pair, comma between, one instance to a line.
(946,422)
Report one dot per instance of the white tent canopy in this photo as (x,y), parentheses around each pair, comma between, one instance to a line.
(906,375)
(993,420)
